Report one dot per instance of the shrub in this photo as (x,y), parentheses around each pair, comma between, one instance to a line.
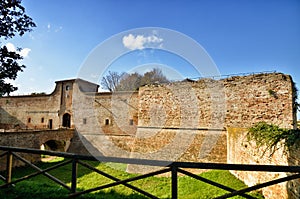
(270,135)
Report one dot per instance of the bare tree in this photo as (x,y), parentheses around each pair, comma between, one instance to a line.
(131,82)
(111,81)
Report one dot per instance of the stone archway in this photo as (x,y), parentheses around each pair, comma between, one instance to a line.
(55,145)
(55,140)
(66,122)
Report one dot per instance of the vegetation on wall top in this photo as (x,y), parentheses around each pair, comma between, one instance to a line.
(271,137)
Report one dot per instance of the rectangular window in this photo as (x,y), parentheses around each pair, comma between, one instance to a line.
(84,120)
(29,120)
(42,120)
(131,122)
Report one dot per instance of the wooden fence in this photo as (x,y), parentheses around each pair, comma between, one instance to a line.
(173,167)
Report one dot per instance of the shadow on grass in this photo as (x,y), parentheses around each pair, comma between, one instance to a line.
(41,187)
(63,173)
(34,190)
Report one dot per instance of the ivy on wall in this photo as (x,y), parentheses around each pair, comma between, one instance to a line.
(271,137)
(296,104)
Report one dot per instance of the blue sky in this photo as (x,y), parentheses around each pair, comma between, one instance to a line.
(239,35)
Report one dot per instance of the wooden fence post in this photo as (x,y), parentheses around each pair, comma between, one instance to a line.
(9,162)
(174,182)
(74,175)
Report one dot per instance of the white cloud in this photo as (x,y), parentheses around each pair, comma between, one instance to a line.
(140,41)
(10,47)
(131,42)
(24,52)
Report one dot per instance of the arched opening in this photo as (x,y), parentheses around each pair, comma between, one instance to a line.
(66,120)
(54,145)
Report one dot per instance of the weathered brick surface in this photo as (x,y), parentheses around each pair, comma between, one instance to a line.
(36,111)
(232,102)
(33,139)
(212,104)
(200,145)
(26,112)
(242,152)
(260,98)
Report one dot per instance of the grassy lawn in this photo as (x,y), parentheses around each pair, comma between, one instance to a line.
(40,187)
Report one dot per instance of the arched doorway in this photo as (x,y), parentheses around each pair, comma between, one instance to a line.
(66,120)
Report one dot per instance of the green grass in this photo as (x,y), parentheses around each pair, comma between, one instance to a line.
(42,188)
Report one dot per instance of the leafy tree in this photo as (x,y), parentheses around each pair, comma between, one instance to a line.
(131,82)
(13,21)
(38,94)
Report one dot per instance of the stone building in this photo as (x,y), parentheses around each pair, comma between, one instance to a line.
(196,113)
(42,111)
(183,121)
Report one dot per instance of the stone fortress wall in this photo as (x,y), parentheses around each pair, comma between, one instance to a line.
(42,111)
(36,111)
(183,121)
(150,123)
(232,102)
(240,151)
(194,113)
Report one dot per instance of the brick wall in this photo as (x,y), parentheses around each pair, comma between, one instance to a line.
(160,112)
(33,139)
(211,104)
(232,102)
(26,112)
(242,152)
(263,97)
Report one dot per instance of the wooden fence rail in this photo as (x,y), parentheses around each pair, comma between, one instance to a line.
(167,166)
